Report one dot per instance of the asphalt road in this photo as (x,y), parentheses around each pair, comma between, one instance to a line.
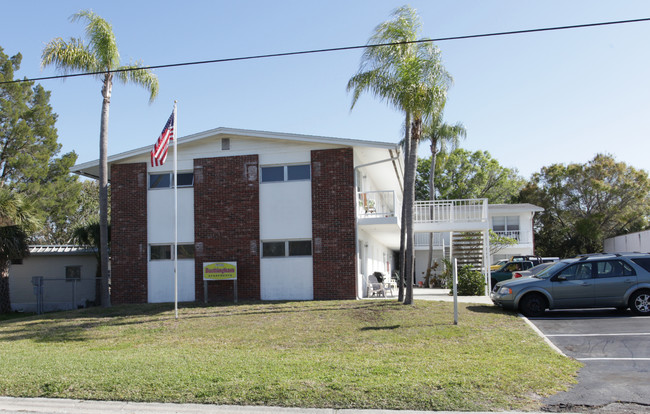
(615,349)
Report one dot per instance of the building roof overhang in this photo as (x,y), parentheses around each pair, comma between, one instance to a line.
(91,169)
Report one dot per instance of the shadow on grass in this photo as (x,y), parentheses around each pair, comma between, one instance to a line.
(380,328)
(73,326)
(488,309)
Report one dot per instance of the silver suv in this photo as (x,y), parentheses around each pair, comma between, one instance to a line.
(592,281)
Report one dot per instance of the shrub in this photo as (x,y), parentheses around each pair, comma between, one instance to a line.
(470,282)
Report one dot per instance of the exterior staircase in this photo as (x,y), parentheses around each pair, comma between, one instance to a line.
(467,248)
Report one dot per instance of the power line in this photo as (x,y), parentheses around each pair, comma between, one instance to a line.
(334,49)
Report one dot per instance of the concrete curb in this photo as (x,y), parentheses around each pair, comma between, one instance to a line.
(56,406)
(541,334)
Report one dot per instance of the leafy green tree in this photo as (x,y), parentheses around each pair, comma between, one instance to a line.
(100,56)
(410,77)
(17,220)
(464,174)
(587,203)
(28,153)
(498,242)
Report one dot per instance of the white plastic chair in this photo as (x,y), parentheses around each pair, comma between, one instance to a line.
(375,287)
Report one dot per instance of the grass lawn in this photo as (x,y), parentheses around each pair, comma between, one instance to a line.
(339,354)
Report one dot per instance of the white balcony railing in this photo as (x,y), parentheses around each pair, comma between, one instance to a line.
(522,237)
(375,204)
(422,240)
(451,211)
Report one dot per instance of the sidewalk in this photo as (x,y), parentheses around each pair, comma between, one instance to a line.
(441,295)
(57,406)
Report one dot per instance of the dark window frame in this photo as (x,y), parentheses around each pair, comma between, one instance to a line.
(287,248)
(168,182)
(290,172)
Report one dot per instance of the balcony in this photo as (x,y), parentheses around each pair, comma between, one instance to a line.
(379,213)
(422,241)
(451,215)
(522,237)
(378,205)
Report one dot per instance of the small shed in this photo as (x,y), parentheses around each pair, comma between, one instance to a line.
(69,278)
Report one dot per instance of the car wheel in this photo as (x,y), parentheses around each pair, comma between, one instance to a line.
(640,303)
(532,305)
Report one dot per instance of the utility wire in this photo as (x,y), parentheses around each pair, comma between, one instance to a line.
(334,49)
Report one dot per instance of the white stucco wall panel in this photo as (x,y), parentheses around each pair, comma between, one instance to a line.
(285,210)
(160,215)
(161,281)
(287,278)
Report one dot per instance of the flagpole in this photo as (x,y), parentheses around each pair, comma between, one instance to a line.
(175,213)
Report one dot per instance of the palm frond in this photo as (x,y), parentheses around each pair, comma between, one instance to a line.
(69,56)
(136,73)
(101,37)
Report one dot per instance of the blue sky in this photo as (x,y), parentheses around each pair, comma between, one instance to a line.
(530,100)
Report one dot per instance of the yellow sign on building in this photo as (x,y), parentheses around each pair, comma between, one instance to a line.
(220,271)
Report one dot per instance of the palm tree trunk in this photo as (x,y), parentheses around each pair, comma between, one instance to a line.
(103,189)
(409,198)
(5,299)
(402,238)
(432,197)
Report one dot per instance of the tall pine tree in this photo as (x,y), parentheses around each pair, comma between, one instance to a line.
(29,164)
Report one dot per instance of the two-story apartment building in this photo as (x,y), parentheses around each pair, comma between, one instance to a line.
(302,217)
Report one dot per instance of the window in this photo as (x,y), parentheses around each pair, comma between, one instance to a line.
(578,271)
(505,223)
(185,179)
(300,248)
(72,273)
(644,263)
(298,172)
(185,251)
(160,252)
(160,180)
(225,144)
(164,180)
(273,249)
(165,251)
(270,174)
(286,248)
(614,268)
(286,173)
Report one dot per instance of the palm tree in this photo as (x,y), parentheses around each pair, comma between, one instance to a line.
(99,56)
(441,136)
(409,75)
(17,219)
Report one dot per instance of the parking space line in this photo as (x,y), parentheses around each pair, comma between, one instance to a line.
(612,334)
(613,359)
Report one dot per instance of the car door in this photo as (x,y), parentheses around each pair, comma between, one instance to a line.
(613,279)
(573,286)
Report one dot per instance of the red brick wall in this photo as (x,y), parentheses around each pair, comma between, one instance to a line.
(227,223)
(129,233)
(333,224)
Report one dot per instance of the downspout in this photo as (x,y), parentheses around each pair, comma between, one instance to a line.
(356,216)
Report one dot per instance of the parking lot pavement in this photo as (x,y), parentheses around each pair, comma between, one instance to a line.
(612,345)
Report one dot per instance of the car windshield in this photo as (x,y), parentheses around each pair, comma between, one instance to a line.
(537,269)
(549,271)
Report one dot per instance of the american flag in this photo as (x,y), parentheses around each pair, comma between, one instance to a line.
(159,151)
